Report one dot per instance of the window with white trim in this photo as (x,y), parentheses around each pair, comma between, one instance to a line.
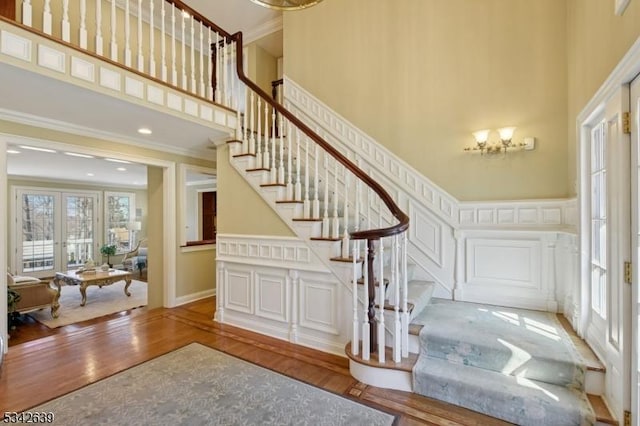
(599,220)
(119,217)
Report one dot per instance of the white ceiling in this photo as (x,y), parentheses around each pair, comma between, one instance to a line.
(28,95)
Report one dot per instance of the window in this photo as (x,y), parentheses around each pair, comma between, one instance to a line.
(119,220)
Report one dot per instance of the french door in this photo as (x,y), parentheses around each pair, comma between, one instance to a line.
(54,230)
(610,247)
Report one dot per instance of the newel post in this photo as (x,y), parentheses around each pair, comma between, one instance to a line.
(371,285)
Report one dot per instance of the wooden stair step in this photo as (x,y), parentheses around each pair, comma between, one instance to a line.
(234,141)
(414,329)
(307,219)
(325,239)
(269,185)
(388,307)
(289,202)
(244,155)
(600,408)
(259,169)
(376,283)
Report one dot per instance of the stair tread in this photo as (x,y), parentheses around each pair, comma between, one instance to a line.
(246,154)
(234,141)
(267,185)
(603,414)
(589,357)
(307,219)
(325,239)
(390,307)
(289,202)
(376,283)
(259,169)
(525,402)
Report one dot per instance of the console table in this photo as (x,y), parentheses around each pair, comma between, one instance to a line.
(85,279)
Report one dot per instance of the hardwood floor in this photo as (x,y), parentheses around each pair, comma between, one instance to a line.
(55,363)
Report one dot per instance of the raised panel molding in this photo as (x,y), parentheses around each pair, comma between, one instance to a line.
(319,306)
(83,70)
(515,263)
(426,233)
(15,46)
(51,58)
(110,79)
(272,297)
(133,87)
(238,291)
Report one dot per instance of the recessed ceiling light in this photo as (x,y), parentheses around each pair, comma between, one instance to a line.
(36,148)
(90,174)
(121,169)
(144,131)
(13,151)
(115,160)
(75,154)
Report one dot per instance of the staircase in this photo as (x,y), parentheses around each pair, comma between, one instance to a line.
(399,338)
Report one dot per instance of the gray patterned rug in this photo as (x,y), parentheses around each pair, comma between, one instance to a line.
(197,385)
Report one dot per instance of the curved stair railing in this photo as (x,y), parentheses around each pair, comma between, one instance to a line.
(348,209)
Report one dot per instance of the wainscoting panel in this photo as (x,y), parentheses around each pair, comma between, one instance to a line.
(508,268)
(319,305)
(238,290)
(272,296)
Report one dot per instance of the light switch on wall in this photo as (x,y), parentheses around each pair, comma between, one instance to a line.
(529,143)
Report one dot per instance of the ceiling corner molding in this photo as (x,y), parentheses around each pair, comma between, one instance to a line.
(263,30)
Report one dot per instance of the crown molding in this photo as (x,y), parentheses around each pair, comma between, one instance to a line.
(263,30)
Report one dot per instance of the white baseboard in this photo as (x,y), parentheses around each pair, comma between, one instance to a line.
(183,300)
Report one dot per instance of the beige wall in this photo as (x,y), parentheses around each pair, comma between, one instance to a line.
(155,271)
(198,271)
(597,41)
(240,209)
(421,75)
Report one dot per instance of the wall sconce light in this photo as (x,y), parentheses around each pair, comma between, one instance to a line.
(506,135)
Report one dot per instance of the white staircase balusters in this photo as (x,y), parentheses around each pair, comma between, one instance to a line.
(325,214)
(266,157)
(335,221)
(290,194)
(218,93)
(397,350)
(252,131)
(66,26)
(46,17)
(258,131)
(405,289)
(152,40)
(245,123)
(174,53)
(273,138)
(163,43)
(381,302)
(183,51)
(306,205)
(355,336)
(82,32)
(345,215)
(127,34)
(192,57)
(98,37)
(113,46)
(297,190)
(203,58)
(316,186)
(140,57)
(281,167)
(224,57)
(27,13)
(209,59)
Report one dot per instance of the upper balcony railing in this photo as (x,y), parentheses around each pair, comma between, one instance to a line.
(173,44)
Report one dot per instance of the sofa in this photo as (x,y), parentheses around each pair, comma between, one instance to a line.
(34,294)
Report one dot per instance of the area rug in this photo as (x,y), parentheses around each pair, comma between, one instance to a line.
(100,302)
(197,385)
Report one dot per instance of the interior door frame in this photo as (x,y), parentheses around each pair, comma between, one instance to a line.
(621,76)
(635,241)
(169,226)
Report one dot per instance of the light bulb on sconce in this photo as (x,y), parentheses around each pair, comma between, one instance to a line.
(506,136)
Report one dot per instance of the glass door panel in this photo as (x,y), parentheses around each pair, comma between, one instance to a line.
(38,213)
(79,241)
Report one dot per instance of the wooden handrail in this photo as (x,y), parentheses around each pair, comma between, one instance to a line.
(371,234)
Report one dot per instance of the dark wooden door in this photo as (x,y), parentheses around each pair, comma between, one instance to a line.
(209,215)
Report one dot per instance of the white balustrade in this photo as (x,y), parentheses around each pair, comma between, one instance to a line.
(98,26)
(183,51)
(335,223)
(152,40)
(258,131)
(82,32)
(192,57)
(273,172)
(127,34)
(113,51)
(381,302)
(266,159)
(306,205)
(65,26)
(325,215)
(27,13)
